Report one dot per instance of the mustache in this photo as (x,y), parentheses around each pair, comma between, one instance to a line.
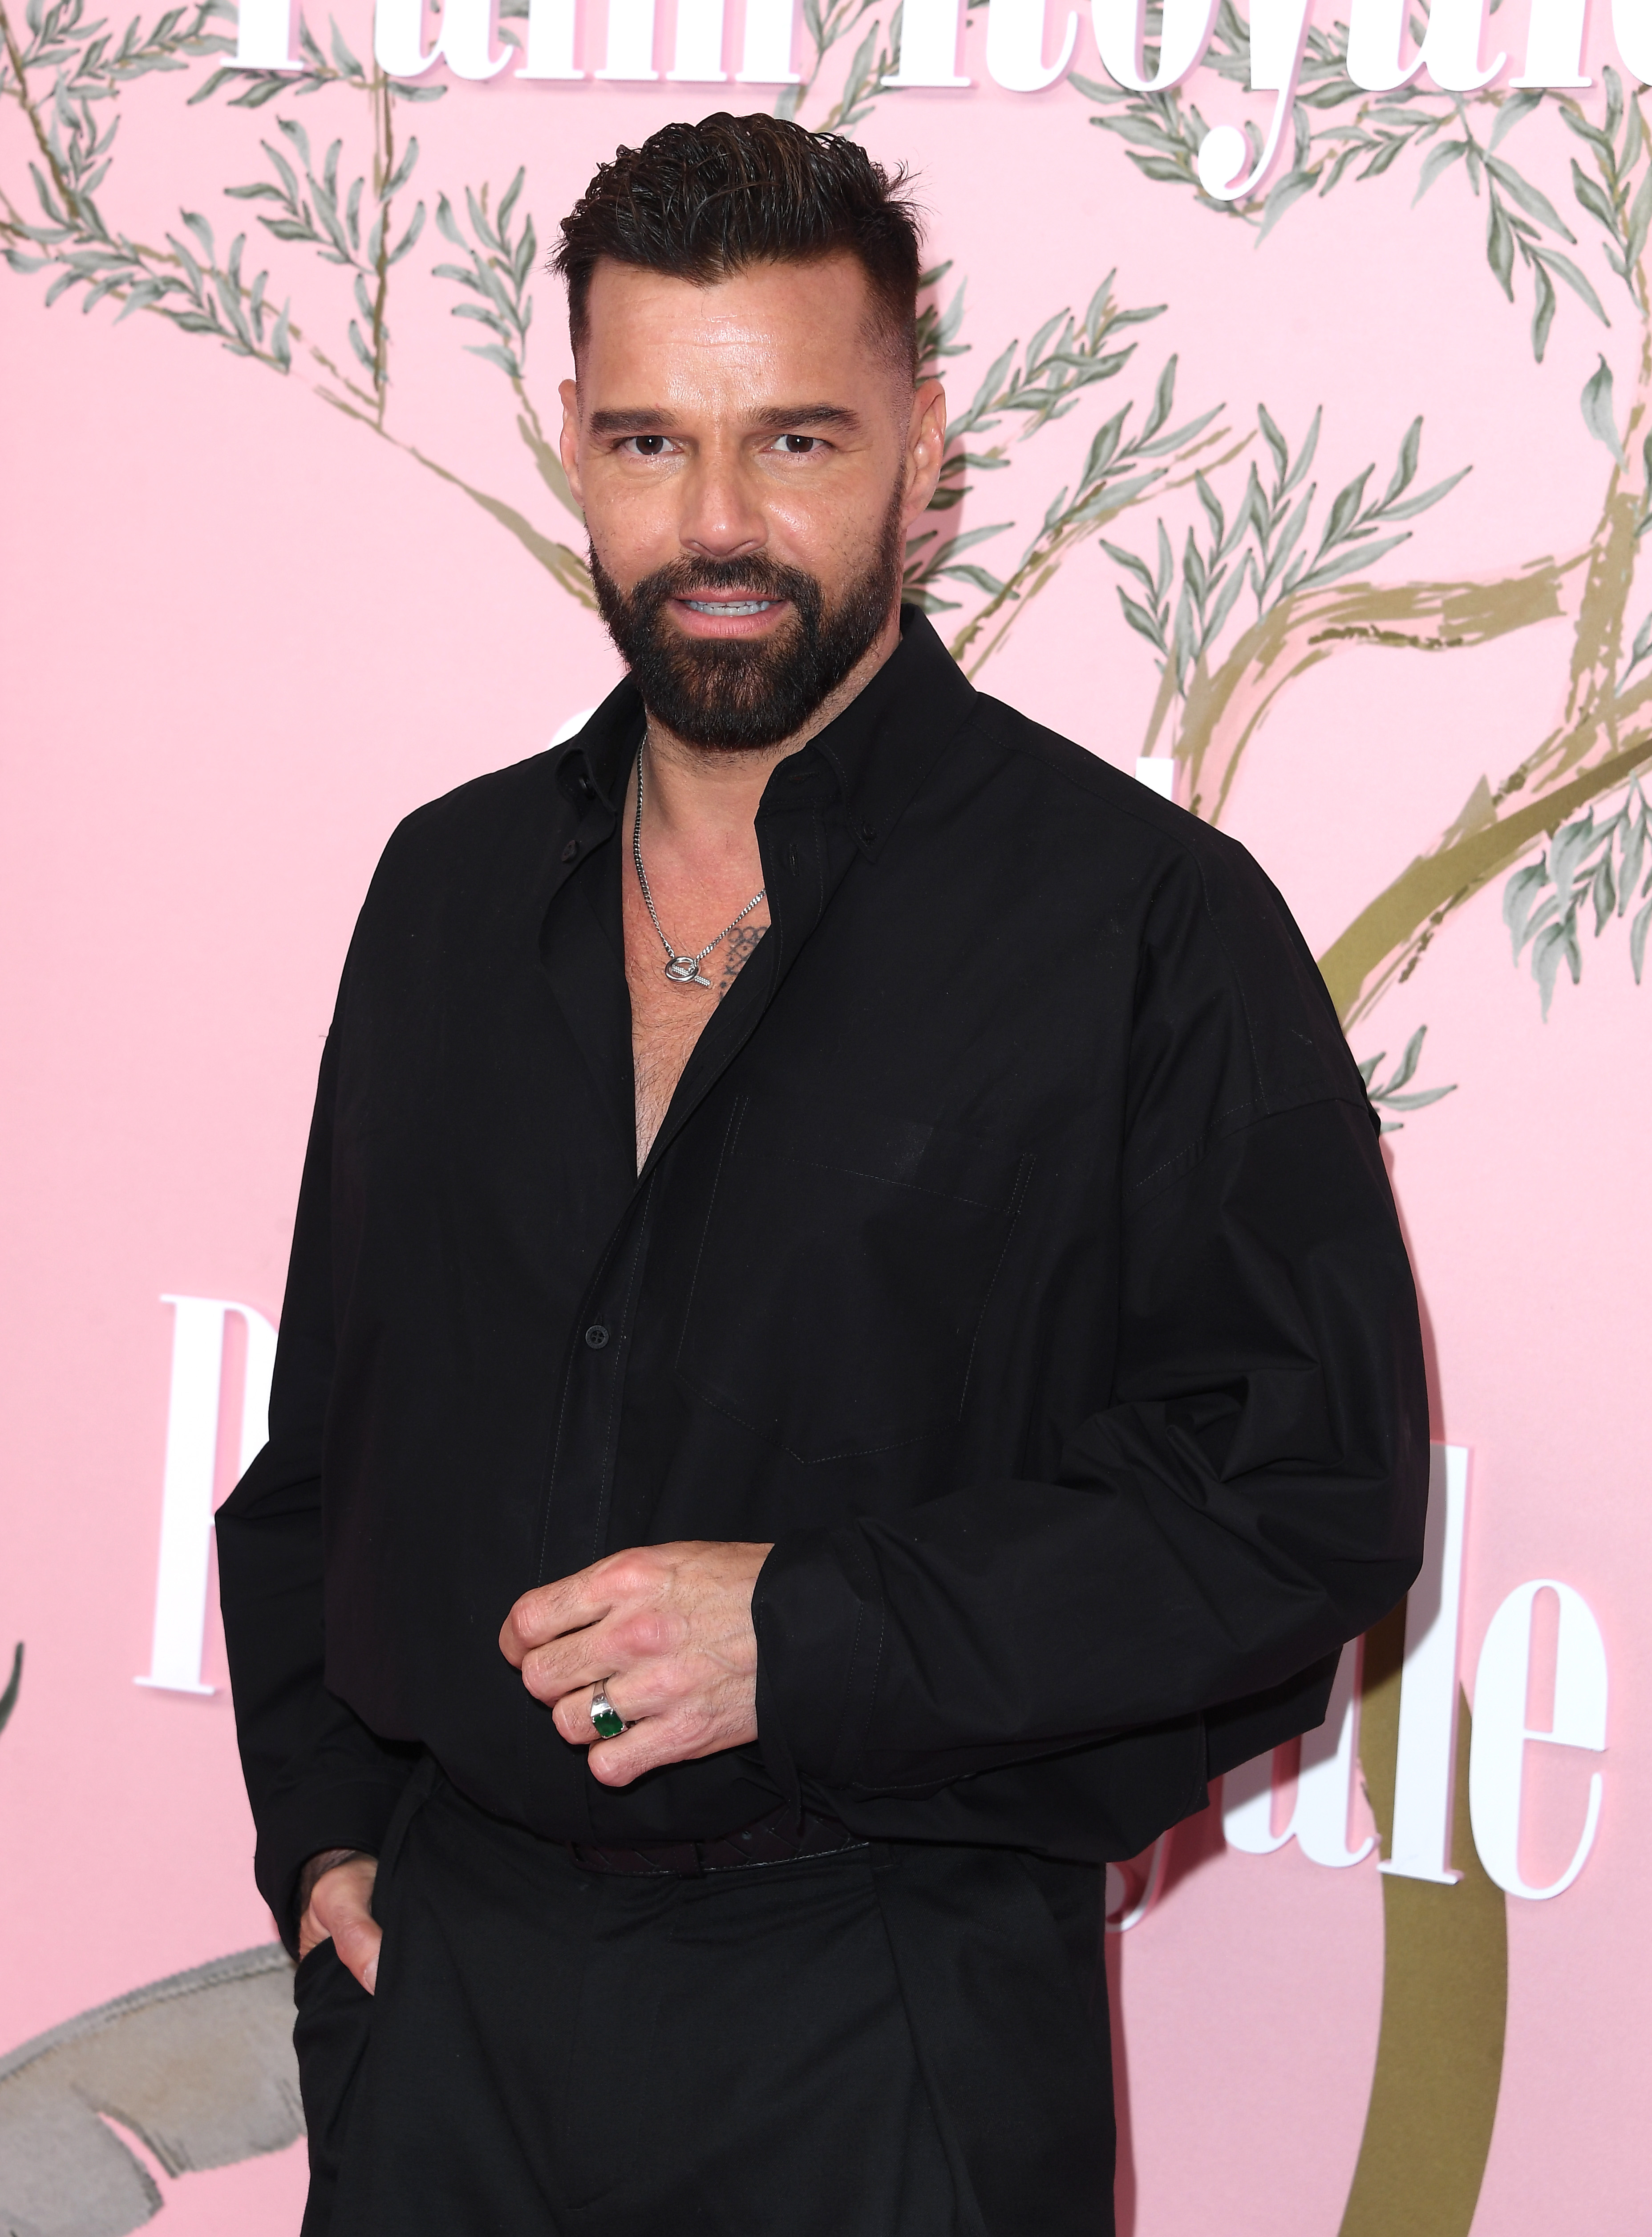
(759,577)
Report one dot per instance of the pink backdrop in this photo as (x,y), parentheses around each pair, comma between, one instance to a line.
(243,635)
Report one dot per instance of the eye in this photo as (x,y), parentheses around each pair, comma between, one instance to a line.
(646,446)
(799,446)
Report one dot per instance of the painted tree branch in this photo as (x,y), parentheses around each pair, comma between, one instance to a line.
(1603,739)
(1226,709)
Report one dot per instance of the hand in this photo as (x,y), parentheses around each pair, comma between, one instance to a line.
(667,1629)
(341,1906)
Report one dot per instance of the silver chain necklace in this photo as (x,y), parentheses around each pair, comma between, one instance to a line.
(681,970)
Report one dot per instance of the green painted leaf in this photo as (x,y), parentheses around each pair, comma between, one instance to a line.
(403,172)
(1438,160)
(1128,560)
(1602,893)
(1516,108)
(1225,602)
(1637,941)
(1522,191)
(508,201)
(341,52)
(1573,278)
(1290,188)
(1499,246)
(1598,415)
(1142,621)
(1592,198)
(1275,442)
(1556,943)
(9,1698)
(1164,399)
(1405,469)
(1358,555)
(1543,312)
(1413,505)
(1519,896)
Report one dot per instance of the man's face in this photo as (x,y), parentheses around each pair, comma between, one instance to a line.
(750,462)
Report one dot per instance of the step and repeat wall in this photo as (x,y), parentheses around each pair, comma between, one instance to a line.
(1300,376)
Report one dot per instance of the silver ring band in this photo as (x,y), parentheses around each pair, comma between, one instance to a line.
(605,1718)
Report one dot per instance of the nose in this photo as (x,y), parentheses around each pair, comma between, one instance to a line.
(722,516)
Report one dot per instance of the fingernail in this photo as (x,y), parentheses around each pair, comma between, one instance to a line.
(370,1978)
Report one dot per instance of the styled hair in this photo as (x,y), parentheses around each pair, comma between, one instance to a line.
(703,202)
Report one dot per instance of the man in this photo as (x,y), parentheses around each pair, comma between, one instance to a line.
(850,1229)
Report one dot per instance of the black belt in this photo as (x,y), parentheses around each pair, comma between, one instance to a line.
(770,1841)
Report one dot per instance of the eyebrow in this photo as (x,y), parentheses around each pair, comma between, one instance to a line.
(773,419)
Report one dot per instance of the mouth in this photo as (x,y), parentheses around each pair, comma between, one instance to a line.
(728,607)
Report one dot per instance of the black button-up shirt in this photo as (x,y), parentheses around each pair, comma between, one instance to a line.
(1016,1253)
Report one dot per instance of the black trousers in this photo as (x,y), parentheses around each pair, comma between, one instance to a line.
(890,2042)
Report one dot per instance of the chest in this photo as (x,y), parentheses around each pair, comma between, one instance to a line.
(667,1019)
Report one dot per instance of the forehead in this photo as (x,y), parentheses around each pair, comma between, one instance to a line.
(763,326)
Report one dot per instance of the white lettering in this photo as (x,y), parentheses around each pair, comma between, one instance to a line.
(193,1409)
(550,42)
(1450,51)
(465,42)
(1554,43)
(1421,1848)
(700,44)
(630,41)
(1319,1821)
(929,32)
(1632,29)
(768,56)
(1279,33)
(1498,1752)
(1121,29)
(1016,45)
(1119,1914)
(264,35)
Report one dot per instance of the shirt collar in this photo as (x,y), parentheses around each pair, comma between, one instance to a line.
(886,740)
(877,751)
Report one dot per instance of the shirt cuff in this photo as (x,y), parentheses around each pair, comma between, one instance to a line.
(347,1814)
(818,1613)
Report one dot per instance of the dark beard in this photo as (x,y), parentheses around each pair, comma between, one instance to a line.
(742,696)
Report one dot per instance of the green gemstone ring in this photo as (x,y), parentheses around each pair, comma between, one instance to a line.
(607,1718)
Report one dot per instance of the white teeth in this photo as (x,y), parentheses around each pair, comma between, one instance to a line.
(729,605)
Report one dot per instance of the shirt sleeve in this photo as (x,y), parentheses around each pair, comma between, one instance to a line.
(316,1776)
(1252,1494)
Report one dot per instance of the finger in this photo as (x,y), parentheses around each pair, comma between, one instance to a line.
(616,1583)
(679,1735)
(341,1908)
(572,1712)
(628,1640)
(357,1940)
(549,1610)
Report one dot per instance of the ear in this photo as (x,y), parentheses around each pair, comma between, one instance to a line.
(568,442)
(925,447)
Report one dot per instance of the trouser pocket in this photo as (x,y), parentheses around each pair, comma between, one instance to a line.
(334,2026)
(330,2035)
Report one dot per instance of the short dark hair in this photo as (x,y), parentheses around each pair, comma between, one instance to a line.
(702,202)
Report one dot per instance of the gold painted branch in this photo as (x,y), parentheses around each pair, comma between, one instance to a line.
(1226,709)
(1388,939)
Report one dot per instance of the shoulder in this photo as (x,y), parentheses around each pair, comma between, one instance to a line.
(1226,985)
(482,815)
(464,854)
(1105,808)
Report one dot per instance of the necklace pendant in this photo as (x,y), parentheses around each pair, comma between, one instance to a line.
(683,970)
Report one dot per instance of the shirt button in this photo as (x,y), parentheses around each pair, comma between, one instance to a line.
(570,850)
(596,1336)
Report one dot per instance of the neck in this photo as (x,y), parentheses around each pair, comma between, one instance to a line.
(709,793)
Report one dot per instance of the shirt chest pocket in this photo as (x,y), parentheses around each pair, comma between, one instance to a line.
(843,1272)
